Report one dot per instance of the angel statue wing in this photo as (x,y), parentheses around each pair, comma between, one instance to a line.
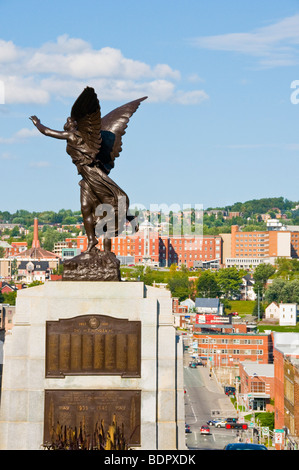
(103,135)
(87,113)
(113,127)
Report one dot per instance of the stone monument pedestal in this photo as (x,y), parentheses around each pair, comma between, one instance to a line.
(80,349)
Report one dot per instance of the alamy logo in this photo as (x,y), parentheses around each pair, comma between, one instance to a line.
(295,95)
(2,92)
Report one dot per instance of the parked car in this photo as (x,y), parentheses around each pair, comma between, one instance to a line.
(187,428)
(244,446)
(192,365)
(205,430)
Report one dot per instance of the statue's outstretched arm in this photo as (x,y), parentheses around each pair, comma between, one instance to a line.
(49,132)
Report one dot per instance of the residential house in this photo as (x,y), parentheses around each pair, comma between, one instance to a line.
(29,271)
(246,291)
(209,305)
(287,314)
(272,312)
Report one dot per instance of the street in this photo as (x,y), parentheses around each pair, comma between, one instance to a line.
(202,396)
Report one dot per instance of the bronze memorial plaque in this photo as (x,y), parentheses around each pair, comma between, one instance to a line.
(87,408)
(93,345)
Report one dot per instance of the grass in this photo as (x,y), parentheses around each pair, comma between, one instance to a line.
(243,307)
(278,328)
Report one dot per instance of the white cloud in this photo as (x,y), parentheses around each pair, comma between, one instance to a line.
(7,156)
(40,164)
(63,68)
(191,97)
(274,45)
(20,135)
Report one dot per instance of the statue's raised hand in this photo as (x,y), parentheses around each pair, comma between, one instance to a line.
(35,120)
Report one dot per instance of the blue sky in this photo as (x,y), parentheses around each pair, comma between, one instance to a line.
(219,125)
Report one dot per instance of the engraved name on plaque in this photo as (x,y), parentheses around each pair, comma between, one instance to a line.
(93,345)
(71,408)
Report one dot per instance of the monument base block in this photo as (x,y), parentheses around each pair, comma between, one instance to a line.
(91,352)
(93,266)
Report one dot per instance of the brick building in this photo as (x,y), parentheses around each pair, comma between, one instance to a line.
(285,346)
(257,385)
(17,247)
(260,244)
(245,249)
(159,250)
(228,347)
(291,395)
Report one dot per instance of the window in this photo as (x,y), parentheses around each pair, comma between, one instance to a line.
(257,386)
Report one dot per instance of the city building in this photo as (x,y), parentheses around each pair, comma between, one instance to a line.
(248,249)
(291,400)
(17,247)
(150,248)
(5,268)
(285,345)
(228,349)
(7,313)
(257,386)
(260,244)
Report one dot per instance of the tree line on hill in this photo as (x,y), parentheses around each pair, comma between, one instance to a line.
(279,283)
(213,224)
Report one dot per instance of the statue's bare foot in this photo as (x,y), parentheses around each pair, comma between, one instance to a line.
(91,245)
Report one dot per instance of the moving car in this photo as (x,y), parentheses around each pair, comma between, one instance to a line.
(229,390)
(205,430)
(221,423)
(212,422)
(244,446)
(187,428)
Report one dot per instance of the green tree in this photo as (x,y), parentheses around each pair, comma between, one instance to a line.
(207,285)
(274,291)
(230,281)
(10,298)
(261,275)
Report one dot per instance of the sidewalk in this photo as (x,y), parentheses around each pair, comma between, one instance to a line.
(223,404)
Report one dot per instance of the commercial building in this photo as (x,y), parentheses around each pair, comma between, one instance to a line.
(248,249)
(285,346)
(149,247)
(257,386)
(229,348)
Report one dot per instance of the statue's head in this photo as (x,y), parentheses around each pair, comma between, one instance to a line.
(70,125)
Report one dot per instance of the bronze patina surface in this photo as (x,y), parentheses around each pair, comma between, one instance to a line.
(94,142)
(93,345)
(84,409)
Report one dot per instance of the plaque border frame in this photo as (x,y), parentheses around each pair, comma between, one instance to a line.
(124,374)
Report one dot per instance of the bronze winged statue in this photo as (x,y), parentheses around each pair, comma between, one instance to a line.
(93,142)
